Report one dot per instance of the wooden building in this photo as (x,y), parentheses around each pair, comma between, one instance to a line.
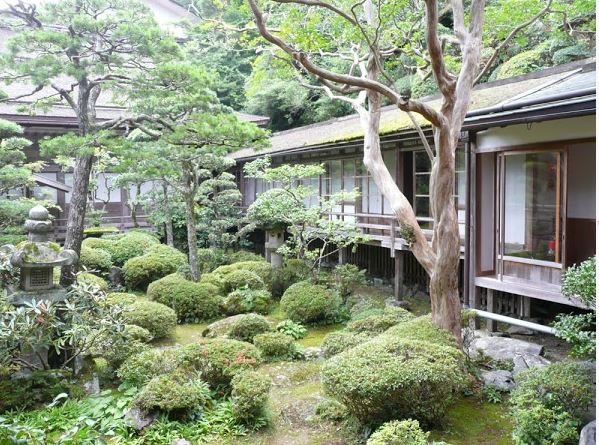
(524,186)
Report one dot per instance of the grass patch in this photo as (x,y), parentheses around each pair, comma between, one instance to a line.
(316,334)
(184,334)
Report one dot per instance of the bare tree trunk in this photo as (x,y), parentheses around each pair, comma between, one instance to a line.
(168,217)
(189,193)
(133,206)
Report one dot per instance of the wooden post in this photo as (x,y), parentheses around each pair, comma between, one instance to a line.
(342,256)
(524,309)
(399,275)
(476,304)
(491,304)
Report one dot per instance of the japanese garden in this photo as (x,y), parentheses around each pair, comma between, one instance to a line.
(298,222)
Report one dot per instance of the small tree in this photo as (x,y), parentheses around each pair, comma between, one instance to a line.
(15,172)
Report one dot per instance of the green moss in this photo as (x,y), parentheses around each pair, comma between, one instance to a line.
(184,334)
(316,334)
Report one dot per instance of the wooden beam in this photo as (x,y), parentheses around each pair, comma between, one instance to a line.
(398,278)
(491,304)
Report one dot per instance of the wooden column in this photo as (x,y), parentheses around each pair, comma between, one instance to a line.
(398,278)
(491,305)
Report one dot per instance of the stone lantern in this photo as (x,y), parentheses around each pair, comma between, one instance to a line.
(275,238)
(36,258)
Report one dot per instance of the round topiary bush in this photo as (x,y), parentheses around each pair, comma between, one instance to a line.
(120,298)
(97,243)
(157,318)
(95,260)
(243,256)
(242,279)
(275,346)
(159,262)
(140,368)
(214,279)
(305,302)
(88,278)
(246,300)
(388,377)
(399,432)
(129,245)
(422,328)
(340,341)
(261,268)
(246,327)
(249,395)
(174,393)
(220,359)
(115,348)
(191,301)
(376,324)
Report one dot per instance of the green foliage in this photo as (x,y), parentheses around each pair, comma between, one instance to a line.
(376,324)
(292,329)
(571,53)
(119,298)
(549,403)
(248,326)
(219,360)
(214,279)
(580,281)
(99,231)
(339,341)
(242,256)
(14,170)
(261,268)
(210,258)
(305,302)
(176,393)
(129,245)
(140,368)
(422,329)
(492,394)
(524,62)
(98,260)
(399,432)
(331,410)
(191,301)
(246,300)
(293,270)
(347,277)
(249,395)
(275,346)
(157,318)
(87,278)
(242,279)
(159,262)
(579,331)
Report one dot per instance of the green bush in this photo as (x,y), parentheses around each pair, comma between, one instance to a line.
(95,259)
(243,256)
(250,394)
(175,393)
(97,243)
(157,318)
(331,410)
(422,328)
(389,377)
(242,301)
(242,279)
(120,298)
(291,328)
(376,324)
(210,259)
(245,328)
(260,268)
(215,280)
(549,403)
(115,347)
(99,231)
(293,271)
(140,368)
(347,277)
(580,281)
(399,432)
(305,302)
(159,262)
(274,345)
(339,341)
(89,278)
(191,301)
(219,359)
(135,332)
(579,331)
(129,245)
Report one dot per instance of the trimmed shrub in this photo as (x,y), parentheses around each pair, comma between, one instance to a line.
(243,256)
(120,298)
(115,347)
(305,302)
(159,262)
(422,328)
(97,243)
(96,232)
(129,245)
(157,318)
(274,345)
(215,280)
(399,432)
(331,410)
(95,259)
(220,359)
(140,368)
(242,279)
(293,271)
(210,259)
(191,301)
(376,324)
(249,394)
(89,278)
(389,377)
(340,341)
(174,393)
(243,301)
(135,332)
(261,268)
(549,403)
(246,327)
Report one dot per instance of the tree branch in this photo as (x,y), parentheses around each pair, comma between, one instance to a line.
(445,79)
(322,5)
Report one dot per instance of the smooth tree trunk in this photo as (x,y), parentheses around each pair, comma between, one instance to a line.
(168,217)
(192,236)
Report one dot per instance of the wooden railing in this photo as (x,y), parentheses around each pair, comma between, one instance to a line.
(123,223)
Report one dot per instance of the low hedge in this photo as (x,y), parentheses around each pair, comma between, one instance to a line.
(399,432)
(220,359)
(95,259)
(120,298)
(246,327)
(243,301)
(191,301)
(275,346)
(91,279)
(123,247)
(376,324)
(157,318)
(261,268)
(214,279)
(140,368)
(159,262)
(249,395)
(422,328)
(340,341)
(242,279)
(389,377)
(305,302)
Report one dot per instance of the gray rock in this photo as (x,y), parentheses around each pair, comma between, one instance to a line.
(313,353)
(392,302)
(501,379)
(139,420)
(221,328)
(588,435)
(181,442)
(503,348)
(92,386)
(115,277)
(519,330)
(378,282)
(522,362)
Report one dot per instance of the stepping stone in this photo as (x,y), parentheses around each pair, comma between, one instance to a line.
(522,362)
(501,379)
(503,348)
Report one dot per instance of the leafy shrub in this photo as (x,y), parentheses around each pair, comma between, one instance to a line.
(260,268)
(571,53)
(340,341)
(95,259)
(219,359)
(305,302)
(549,403)
(291,328)
(580,281)
(375,324)
(243,256)
(129,245)
(423,329)
(250,394)
(293,271)
(248,326)
(191,301)
(97,243)
(524,62)
(157,318)
(390,377)
(242,279)
(159,262)
(140,368)
(579,331)
(215,280)
(399,432)
(242,301)
(331,409)
(174,393)
(210,259)
(116,347)
(99,231)
(91,279)
(274,345)
(135,332)
(120,298)
(348,276)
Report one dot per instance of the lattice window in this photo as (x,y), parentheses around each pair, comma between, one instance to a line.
(40,278)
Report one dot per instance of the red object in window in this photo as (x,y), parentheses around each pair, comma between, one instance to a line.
(552,245)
